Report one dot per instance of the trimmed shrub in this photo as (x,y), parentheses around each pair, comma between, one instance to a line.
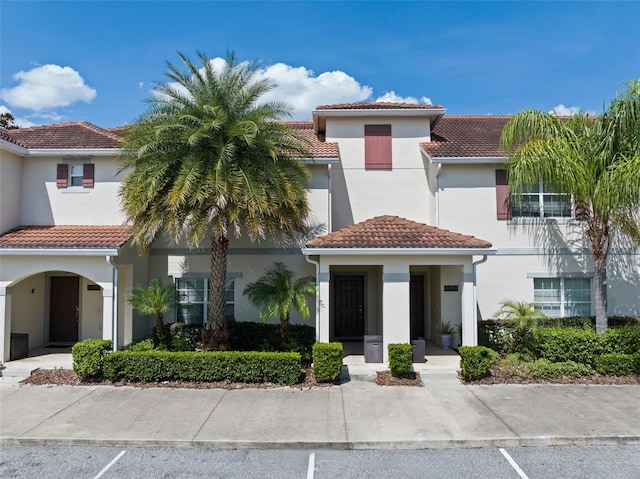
(400,358)
(184,337)
(568,344)
(475,361)
(88,357)
(232,366)
(616,364)
(140,345)
(545,369)
(622,339)
(327,361)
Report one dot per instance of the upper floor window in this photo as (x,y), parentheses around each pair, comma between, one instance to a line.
(377,147)
(539,202)
(562,297)
(80,175)
(193,300)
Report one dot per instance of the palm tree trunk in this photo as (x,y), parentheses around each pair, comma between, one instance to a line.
(217,291)
(284,329)
(601,294)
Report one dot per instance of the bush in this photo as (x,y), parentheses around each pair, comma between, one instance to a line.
(184,337)
(250,336)
(568,344)
(475,361)
(88,357)
(140,345)
(400,358)
(232,366)
(327,361)
(545,369)
(622,339)
(616,364)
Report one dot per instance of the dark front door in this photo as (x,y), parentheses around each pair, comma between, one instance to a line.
(63,309)
(348,300)
(416,306)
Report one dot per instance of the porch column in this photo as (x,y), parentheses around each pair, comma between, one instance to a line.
(396,322)
(107,311)
(469,326)
(323,295)
(126,310)
(5,324)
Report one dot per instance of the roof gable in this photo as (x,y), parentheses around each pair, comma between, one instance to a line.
(65,136)
(66,237)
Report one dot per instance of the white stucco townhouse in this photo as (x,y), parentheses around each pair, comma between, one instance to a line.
(420,231)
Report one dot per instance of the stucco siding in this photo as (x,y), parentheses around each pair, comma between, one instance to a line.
(10,190)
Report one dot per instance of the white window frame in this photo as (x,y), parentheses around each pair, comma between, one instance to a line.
(541,194)
(563,294)
(72,175)
(229,302)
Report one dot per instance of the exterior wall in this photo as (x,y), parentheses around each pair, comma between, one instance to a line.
(90,311)
(360,194)
(42,203)
(10,190)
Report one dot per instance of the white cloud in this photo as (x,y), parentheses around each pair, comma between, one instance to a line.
(21,122)
(562,110)
(393,97)
(140,85)
(47,86)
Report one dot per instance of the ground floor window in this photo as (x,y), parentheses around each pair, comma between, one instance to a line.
(562,297)
(193,300)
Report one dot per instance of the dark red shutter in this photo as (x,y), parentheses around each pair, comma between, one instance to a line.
(87,175)
(62,176)
(377,147)
(503,197)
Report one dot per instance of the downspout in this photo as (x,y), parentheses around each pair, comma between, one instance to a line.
(317,265)
(329,230)
(438,169)
(475,297)
(114,308)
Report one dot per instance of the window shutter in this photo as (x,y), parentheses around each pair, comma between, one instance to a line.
(62,176)
(87,175)
(503,197)
(377,147)
(580,211)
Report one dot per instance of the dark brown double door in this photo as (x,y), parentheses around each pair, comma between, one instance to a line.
(64,307)
(348,300)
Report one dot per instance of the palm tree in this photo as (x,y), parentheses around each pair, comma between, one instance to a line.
(154,299)
(524,317)
(207,159)
(594,159)
(277,291)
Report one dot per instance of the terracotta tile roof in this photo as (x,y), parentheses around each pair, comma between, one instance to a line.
(319,149)
(66,237)
(395,232)
(380,105)
(466,136)
(74,135)
(7,136)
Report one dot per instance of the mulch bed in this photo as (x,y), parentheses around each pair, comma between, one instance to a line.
(496,376)
(385,378)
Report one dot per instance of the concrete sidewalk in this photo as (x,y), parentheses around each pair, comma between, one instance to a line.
(355,415)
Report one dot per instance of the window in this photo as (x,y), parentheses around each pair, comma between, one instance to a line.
(562,297)
(79,175)
(377,147)
(535,202)
(193,300)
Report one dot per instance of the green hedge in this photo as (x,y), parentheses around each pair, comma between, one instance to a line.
(475,361)
(623,340)
(616,364)
(568,344)
(88,357)
(232,366)
(400,358)
(327,361)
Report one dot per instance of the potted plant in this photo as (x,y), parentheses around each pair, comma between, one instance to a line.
(446,334)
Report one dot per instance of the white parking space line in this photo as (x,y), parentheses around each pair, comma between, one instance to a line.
(514,464)
(108,466)
(312,465)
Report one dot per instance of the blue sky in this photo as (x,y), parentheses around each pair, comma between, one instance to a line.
(98,60)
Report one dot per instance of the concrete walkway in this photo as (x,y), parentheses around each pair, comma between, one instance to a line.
(356,415)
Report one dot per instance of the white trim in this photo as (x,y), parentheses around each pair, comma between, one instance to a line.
(397,251)
(13,148)
(59,251)
(79,152)
(320,160)
(459,160)
(381,112)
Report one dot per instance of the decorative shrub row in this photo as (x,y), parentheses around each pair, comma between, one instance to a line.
(400,358)
(475,361)
(229,366)
(519,365)
(616,364)
(88,357)
(327,361)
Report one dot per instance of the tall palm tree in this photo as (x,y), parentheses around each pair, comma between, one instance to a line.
(207,159)
(154,299)
(596,160)
(277,292)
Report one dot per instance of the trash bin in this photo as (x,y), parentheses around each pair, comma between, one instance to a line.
(418,350)
(373,348)
(19,347)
